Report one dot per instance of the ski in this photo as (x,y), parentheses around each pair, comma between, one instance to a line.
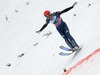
(76,50)
(64,48)
(65,54)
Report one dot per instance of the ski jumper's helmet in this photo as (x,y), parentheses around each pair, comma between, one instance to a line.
(46,13)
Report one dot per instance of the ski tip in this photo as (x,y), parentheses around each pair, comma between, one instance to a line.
(61,47)
(60,53)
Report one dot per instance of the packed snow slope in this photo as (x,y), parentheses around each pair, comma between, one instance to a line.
(24,52)
(86,65)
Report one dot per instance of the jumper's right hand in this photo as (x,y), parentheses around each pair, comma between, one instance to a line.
(38,31)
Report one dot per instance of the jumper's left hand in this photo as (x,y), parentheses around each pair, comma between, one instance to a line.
(74,4)
(38,31)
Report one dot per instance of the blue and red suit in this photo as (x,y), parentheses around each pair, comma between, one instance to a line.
(61,27)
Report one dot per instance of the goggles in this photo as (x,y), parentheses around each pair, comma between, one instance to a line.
(49,15)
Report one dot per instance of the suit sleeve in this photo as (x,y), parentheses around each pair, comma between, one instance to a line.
(65,10)
(44,26)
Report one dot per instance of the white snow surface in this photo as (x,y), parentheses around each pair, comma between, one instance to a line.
(19,21)
(88,67)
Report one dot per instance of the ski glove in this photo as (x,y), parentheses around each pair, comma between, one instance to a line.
(74,4)
(38,31)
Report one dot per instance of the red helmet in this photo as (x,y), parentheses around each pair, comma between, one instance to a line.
(46,13)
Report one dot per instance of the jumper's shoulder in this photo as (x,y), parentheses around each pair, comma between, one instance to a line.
(56,13)
(47,20)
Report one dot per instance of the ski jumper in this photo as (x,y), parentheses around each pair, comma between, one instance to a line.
(61,27)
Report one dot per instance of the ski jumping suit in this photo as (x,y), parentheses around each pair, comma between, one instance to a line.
(61,27)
